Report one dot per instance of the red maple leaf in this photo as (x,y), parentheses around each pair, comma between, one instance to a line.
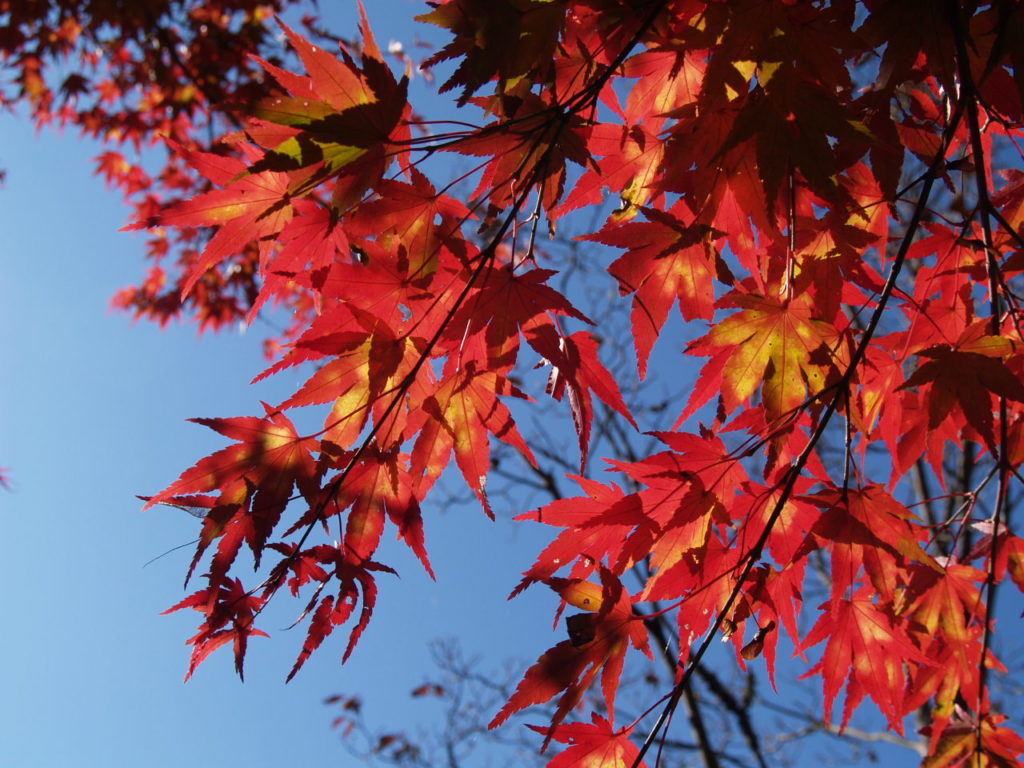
(596,526)
(420,218)
(248,207)
(597,645)
(462,413)
(868,648)
(865,528)
(254,479)
(968,375)
(510,302)
(592,745)
(355,584)
(630,158)
(989,744)
(667,261)
(230,611)
(577,369)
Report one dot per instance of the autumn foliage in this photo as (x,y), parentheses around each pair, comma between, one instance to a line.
(830,194)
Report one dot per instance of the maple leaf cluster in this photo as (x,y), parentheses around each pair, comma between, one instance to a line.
(133,75)
(826,189)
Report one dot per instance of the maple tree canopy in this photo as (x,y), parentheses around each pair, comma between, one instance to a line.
(830,193)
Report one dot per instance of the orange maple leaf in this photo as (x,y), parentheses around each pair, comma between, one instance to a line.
(594,745)
(598,641)
(771,344)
